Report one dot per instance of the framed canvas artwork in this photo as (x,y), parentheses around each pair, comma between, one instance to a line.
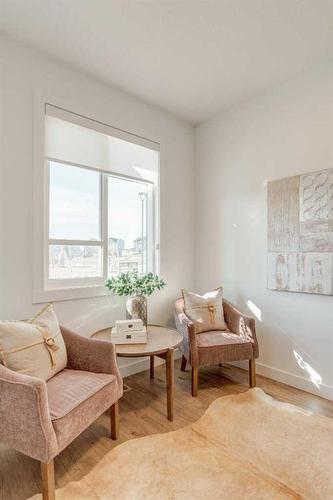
(300,233)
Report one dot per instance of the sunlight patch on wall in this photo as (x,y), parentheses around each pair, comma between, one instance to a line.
(255,309)
(314,376)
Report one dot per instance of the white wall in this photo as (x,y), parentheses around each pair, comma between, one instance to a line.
(285,131)
(24,72)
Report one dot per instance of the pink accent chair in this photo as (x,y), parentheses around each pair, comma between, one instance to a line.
(239,342)
(41,418)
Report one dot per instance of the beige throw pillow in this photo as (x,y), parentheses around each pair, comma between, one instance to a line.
(206,311)
(33,347)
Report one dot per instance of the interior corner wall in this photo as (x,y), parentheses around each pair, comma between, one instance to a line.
(23,72)
(285,131)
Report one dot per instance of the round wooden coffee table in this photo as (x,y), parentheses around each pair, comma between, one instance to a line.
(161,342)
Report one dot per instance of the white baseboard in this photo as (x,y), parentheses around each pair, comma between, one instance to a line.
(134,365)
(324,391)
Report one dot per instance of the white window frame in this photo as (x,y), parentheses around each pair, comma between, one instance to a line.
(46,289)
(65,283)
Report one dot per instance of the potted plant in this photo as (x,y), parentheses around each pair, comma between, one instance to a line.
(137,288)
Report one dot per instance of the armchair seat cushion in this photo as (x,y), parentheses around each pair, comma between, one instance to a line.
(69,388)
(222,346)
(76,399)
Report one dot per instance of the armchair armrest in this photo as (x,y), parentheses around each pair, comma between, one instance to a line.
(186,328)
(93,355)
(241,324)
(25,422)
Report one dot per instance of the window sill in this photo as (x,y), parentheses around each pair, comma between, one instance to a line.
(74,293)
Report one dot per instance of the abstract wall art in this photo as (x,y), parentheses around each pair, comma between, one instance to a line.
(300,233)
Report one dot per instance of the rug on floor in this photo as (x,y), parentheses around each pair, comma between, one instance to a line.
(245,446)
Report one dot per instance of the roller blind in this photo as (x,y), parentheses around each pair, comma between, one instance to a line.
(82,141)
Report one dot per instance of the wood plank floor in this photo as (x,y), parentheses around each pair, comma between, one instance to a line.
(142,412)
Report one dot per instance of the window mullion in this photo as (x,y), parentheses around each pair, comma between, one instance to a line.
(104,222)
(149,231)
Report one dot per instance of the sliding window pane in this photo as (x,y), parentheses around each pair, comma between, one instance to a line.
(74,203)
(127,226)
(74,262)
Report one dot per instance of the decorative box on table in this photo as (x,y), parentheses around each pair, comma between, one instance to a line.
(129,332)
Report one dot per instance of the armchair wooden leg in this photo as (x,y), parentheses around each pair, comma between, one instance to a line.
(252,372)
(194,381)
(114,414)
(48,487)
(183,365)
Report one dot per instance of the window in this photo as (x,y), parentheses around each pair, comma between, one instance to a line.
(75,237)
(101,203)
(128,208)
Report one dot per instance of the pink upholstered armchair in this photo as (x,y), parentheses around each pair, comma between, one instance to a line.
(41,418)
(239,342)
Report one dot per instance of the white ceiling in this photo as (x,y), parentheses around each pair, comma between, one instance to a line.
(192,57)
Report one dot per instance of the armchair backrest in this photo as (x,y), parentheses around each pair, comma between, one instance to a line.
(179,306)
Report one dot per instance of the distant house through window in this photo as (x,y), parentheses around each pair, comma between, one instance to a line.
(102,193)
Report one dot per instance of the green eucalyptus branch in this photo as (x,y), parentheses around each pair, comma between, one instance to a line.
(131,283)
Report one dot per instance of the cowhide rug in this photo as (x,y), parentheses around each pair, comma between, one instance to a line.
(246,446)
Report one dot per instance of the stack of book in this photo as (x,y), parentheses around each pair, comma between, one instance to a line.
(129,332)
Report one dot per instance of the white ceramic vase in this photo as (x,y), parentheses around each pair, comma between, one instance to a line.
(136,308)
